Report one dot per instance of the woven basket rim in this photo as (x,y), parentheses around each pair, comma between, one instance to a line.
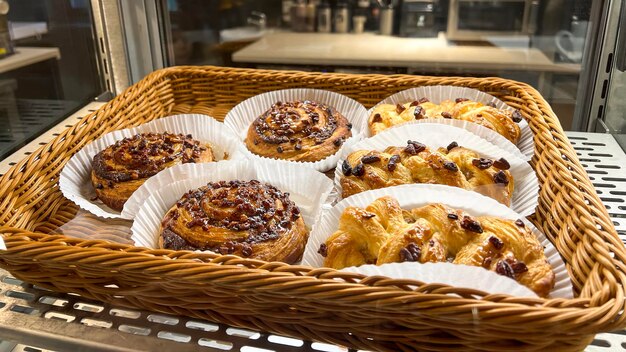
(279,269)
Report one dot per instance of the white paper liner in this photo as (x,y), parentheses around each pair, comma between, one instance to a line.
(307,188)
(437,94)
(75,178)
(417,195)
(243,114)
(3,247)
(526,191)
(457,275)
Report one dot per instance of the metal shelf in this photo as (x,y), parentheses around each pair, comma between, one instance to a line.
(605,163)
(35,319)
(21,119)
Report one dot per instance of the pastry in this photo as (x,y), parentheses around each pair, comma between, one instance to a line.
(121,168)
(298,131)
(246,218)
(383,233)
(502,121)
(416,163)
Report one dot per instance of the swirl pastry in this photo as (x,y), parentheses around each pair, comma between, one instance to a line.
(416,163)
(298,131)
(247,218)
(124,166)
(382,233)
(502,121)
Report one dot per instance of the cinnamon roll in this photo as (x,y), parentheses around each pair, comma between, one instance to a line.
(121,168)
(298,131)
(501,121)
(246,218)
(383,232)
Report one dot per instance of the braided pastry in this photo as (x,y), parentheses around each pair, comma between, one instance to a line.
(247,218)
(502,121)
(298,131)
(383,233)
(121,168)
(416,163)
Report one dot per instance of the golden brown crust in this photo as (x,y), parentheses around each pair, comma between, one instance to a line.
(121,168)
(502,121)
(383,233)
(298,131)
(416,163)
(246,218)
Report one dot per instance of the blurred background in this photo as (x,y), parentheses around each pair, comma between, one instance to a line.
(58,55)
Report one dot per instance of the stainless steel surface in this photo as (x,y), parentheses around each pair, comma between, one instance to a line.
(36,317)
(620,50)
(33,319)
(591,101)
(111,44)
(28,149)
(455,33)
(142,37)
(615,107)
(592,62)
(35,116)
(605,162)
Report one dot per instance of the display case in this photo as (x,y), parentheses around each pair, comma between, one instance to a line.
(573,57)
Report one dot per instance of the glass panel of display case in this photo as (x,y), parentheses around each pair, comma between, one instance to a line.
(47,66)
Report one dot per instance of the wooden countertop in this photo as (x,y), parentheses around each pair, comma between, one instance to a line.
(376,50)
(25,56)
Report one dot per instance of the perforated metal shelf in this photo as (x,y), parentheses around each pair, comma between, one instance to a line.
(22,119)
(605,163)
(33,319)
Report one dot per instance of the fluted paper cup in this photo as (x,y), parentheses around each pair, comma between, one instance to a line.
(243,114)
(526,186)
(437,94)
(457,275)
(417,195)
(75,180)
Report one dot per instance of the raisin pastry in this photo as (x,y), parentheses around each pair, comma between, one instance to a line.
(502,121)
(246,218)
(298,131)
(121,168)
(416,163)
(383,233)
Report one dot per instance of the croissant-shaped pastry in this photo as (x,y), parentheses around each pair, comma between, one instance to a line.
(384,233)
(416,163)
(247,218)
(502,121)
(121,168)
(298,131)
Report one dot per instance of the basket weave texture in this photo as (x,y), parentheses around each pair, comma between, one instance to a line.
(313,303)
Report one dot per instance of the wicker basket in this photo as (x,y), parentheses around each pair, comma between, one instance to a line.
(318,304)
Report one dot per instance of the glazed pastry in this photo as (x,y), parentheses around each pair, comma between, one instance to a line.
(502,121)
(246,218)
(298,131)
(416,163)
(124,166)
(383,233)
